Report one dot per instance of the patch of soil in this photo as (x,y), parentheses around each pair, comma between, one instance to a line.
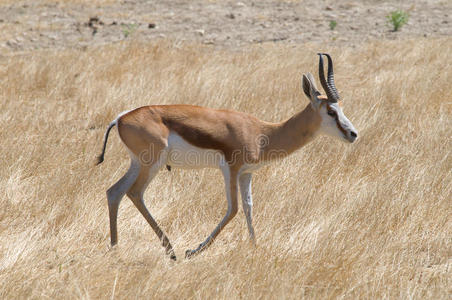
(28,25)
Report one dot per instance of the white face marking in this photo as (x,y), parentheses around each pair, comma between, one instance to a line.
(333,120)
(181,154)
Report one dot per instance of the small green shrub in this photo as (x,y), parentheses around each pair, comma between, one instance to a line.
(397,19)
(128,29)
(333,24)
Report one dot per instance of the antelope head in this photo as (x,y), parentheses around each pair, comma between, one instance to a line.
(334,122)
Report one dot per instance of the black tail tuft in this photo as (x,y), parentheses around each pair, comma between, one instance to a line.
(100,158)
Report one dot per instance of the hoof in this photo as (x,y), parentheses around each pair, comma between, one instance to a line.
(188,254)
(173,257)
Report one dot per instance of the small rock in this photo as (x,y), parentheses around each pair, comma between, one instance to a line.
(277,39)
(151,25)
(201,32)
(230,16)
(52,36)
(328,8)
(94,20)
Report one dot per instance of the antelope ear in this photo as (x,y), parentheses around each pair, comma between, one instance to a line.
(306,86)
(311,90)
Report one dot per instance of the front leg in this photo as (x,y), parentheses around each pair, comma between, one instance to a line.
(230,180)
(247,202)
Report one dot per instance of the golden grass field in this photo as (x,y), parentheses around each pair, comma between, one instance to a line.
(365,220)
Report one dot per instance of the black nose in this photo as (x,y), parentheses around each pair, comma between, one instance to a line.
(353,134)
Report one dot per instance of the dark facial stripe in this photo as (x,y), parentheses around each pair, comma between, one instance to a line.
(339,126)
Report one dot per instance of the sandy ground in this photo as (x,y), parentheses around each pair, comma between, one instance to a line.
(28,25)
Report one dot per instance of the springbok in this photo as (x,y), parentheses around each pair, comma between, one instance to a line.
(189,136)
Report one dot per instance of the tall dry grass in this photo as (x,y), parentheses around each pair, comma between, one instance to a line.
(368,220)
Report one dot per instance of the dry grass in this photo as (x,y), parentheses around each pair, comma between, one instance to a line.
(368,220)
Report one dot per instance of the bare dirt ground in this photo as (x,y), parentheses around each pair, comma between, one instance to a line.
(27,25)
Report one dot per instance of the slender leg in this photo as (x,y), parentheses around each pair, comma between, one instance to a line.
(230,180)
(115,194)
(135,194)
(247,202)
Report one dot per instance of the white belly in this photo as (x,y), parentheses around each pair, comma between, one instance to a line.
(181,154)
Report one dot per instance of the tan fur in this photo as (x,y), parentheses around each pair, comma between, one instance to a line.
(236,134)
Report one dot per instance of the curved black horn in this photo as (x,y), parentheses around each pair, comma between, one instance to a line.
(330,79)
(332,96)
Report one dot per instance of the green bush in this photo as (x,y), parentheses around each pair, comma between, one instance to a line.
(333,25)
(397,19)
(129,29)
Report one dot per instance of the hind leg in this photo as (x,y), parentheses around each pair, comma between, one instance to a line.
(135,194)
(115,194)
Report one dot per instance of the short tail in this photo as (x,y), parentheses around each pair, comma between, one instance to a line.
(100,158)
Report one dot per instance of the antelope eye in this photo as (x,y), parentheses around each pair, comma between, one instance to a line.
(332,113)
